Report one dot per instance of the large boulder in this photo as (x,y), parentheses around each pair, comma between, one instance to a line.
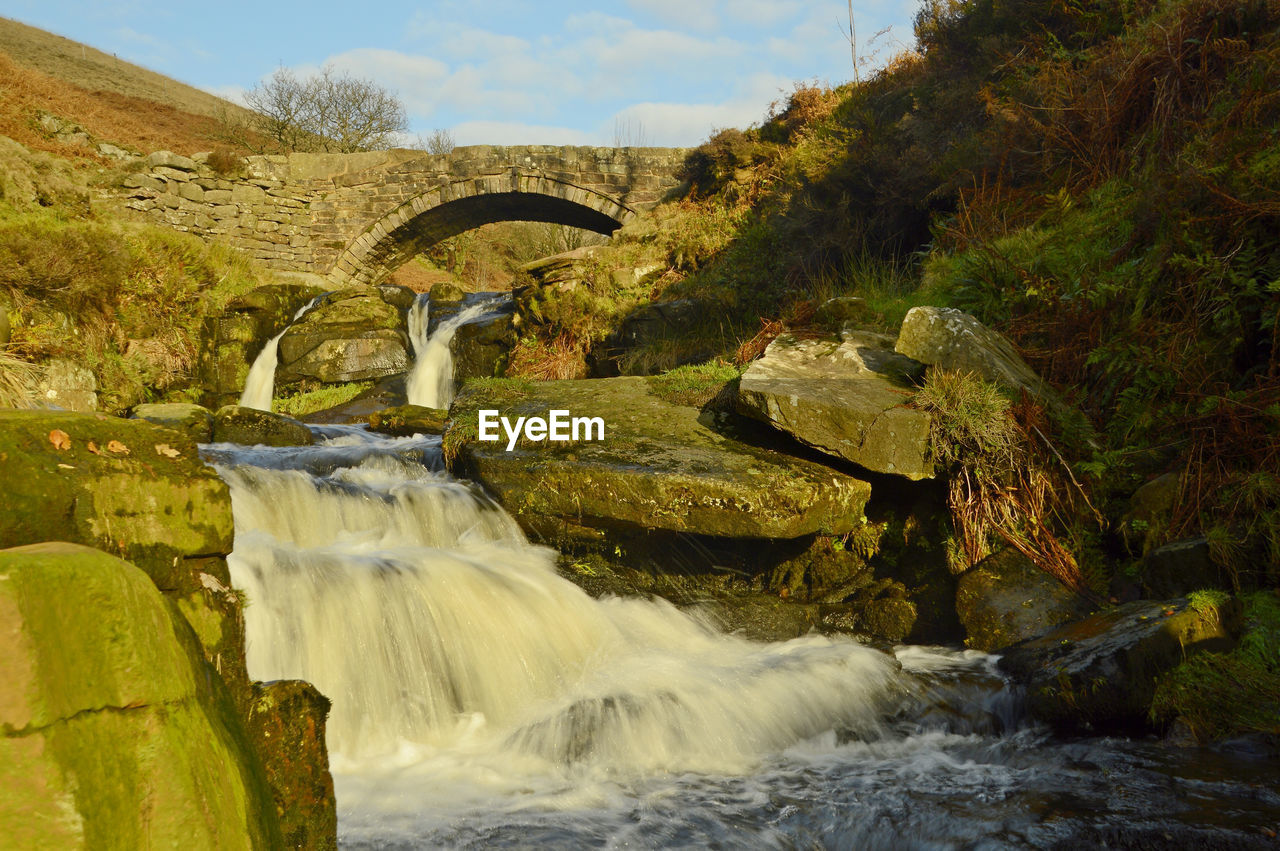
(354,336)
(1099,674)
(141,491)
(114,731)
(846,398)
(660,466)
(952,339)
(1004,599)
(251,427)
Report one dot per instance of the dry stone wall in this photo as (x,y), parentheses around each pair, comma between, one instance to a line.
(308,212)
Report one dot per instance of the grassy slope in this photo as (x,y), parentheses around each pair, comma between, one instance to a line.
(113,100)
(95,71)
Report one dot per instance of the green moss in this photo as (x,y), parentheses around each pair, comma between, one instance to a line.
(1227,694)
(1208,599)
(307,399)
(694,385)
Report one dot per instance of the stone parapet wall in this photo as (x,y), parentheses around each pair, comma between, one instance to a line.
(305,212)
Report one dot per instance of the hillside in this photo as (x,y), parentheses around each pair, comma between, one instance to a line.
(114,101)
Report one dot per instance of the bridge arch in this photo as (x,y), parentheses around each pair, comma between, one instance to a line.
(454,206)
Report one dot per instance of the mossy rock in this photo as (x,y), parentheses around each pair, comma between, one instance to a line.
(353,336)
(408,420)
(231,340)
(660,465)
(125,486)
(251,427)
(1099,674)
(195,421)
(114,732)
(1005,598)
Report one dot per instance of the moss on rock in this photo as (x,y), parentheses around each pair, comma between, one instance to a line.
(113,731)
(660,466)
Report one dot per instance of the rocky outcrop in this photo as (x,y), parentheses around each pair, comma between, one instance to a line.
(232,339)
(114,731)
(1005,598)
(139,491)
(286,723)
(355,335)
(952,339)
(251,427)
(194,421)
(846,398)
(660,466)
(1099,674)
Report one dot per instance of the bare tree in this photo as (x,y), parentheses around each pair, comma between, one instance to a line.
(439,142)
(629,133)
(331,111)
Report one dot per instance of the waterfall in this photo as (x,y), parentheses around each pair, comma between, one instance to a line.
(480,700)
(260,385)
(430,382)
(415,603)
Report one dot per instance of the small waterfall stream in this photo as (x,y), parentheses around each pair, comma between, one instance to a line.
(260,384)
(430,382)
(481,700)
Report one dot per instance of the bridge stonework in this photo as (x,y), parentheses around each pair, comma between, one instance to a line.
(355,217)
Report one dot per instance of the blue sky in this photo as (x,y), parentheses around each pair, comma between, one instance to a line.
(658,72)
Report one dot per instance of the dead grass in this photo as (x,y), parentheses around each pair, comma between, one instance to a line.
(128,121)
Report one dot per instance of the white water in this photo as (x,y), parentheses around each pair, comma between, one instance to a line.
(430,382)
(481,701)
(462,667)
(260,384)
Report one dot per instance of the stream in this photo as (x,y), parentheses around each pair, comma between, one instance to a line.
(482,700)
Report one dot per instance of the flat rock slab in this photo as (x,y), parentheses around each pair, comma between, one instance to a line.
(194,421)
(408,420)
(1100,673)
(846,398)
(660,466)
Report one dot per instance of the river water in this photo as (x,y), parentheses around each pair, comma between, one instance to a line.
(481,700)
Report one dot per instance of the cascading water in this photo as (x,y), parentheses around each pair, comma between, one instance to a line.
(430,382)
(479,699)
(260,384)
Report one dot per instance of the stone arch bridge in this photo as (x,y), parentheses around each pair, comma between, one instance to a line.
(354,218)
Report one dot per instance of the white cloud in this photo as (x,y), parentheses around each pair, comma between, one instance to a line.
(516,133)
(761,13)
(694,14)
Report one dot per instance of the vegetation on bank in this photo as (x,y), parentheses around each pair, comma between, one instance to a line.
(124,300)
(1100,182)
(1224,694)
